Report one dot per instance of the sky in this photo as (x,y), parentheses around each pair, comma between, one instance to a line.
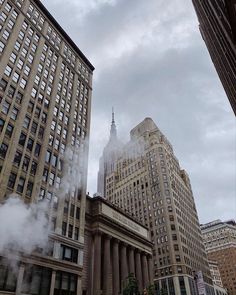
(150,61)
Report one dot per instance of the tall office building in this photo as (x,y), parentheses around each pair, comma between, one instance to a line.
(45,101)
(147,182)
(220,242)
(217,20)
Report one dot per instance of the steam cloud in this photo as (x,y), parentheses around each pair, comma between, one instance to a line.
(24,227)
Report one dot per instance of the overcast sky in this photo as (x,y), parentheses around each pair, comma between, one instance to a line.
(151,61)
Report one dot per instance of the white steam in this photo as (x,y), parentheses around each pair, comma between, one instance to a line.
(22,227)
(25,227)
(73,159)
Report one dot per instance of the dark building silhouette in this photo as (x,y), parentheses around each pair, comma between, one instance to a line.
(217,20)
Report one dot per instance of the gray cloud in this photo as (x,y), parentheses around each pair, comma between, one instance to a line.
(151,61)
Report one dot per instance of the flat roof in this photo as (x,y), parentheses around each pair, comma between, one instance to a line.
(63,33)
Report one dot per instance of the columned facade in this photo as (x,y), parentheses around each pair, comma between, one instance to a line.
(114,261)
(117,246)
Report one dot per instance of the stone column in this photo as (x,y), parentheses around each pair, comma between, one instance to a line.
(97,264)
(124,266)
(116,270)
(20,279)
(79,286)
(145,270)
(138,270)
(107,266)
(53,279)
(150,269)
(131,260)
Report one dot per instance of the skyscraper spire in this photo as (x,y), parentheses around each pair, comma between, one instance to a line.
(113,116)
(113,131)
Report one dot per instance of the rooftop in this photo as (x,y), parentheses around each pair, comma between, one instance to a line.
(63,33)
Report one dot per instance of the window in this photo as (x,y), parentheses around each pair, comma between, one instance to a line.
(68,253)
(27,70)
(51,178)
(17,46)
(7,277)
(48,157)
(22,139)
(37,112)
(36,280)
(9,130)
(30,144)
(2,122)
(37,149)
(19,97)
(70,231)
(45,174)
(177,257)
(17,159)
(26,122)
(5,107)
(20,186)
(2,46)
(34,166)
(29,189)
(44,117)
(3,85)
(8,71)
(66,207)
(3,150)
(64,225)
(11,91)
(77,212)
(176,247)
(65,283)
(34,127)
(30,107)
(20,64)
(72,210)
(15,77)
(54,160)
(14,113)
(25,165)
(11,180)
(174,237)
(41,132)
(13,57)
(5,35)
(76,233)
(23,83)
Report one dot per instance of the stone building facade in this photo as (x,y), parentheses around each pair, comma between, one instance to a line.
(116,245)
(220,243)
(148,183)
(45,102)
(217,20)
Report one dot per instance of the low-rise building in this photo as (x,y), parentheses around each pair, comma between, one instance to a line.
(116,246)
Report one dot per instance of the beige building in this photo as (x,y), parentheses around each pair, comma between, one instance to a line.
(148,182)
(116,246)
(220,243)
(45,102)
(215,273)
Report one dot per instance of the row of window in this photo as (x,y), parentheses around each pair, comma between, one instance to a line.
(21,184)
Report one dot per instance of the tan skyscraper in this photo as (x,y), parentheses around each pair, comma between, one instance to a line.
(45,101)
(147,181)
(108,160)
